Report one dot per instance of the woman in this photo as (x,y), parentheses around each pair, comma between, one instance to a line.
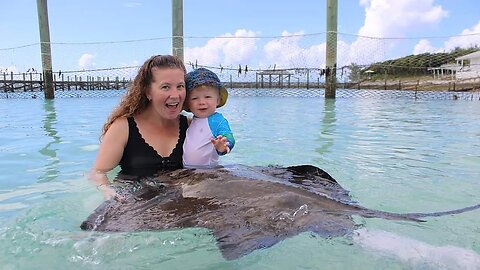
(145,133)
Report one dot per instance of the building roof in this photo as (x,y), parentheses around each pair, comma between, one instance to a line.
(469,56)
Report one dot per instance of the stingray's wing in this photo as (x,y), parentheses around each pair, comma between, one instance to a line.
(235,242)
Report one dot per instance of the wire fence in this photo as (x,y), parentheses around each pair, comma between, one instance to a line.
(248,64)
(245,92)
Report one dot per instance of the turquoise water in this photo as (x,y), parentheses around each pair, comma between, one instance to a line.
(399,155)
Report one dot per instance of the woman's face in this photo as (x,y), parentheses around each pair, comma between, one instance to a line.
(167,91)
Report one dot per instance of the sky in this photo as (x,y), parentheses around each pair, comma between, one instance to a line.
(92,34)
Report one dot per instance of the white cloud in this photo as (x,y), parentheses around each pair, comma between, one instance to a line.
(387,18)
(286,52)
(424,46)
(290,50)
(468,38)
(296,50)
(240,52)
(86,61)
(283,51)
(364,51)
(228,49)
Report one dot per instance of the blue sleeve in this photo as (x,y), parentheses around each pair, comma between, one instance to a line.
(219,126)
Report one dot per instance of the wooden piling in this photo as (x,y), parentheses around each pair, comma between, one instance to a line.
(45,47)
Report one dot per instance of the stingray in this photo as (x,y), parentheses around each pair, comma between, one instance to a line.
(246,208)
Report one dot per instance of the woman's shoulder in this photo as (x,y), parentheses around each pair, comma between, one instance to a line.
(118,130)
(120,123)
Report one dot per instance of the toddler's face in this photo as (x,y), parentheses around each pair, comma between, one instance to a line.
(203,100)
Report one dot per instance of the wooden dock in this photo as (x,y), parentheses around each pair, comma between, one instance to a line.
(33,82)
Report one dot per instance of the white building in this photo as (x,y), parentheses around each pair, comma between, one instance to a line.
(445,71)
(468,66)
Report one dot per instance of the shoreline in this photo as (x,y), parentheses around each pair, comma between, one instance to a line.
(411,85)
(423,83)
(419,85)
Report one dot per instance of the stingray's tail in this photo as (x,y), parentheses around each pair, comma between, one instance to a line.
(414,216)
(445,213)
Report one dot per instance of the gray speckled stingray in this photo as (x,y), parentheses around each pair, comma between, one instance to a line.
(246,208)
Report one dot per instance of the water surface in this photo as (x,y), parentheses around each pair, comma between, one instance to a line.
(393,154)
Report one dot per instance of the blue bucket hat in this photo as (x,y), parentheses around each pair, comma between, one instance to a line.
(203,76)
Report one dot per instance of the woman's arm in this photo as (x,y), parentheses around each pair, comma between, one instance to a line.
(112,146)
(109,155)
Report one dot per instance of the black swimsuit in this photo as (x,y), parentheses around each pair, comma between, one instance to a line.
(140,159)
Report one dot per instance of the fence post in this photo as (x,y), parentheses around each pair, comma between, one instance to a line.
(308,77)
(4,82)
(385,78)
(45,48)
(177,28)
(331,50)
(12,83)
(24,83)
(31,82)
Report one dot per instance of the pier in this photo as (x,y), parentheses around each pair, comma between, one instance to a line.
(33,82)
(273,79)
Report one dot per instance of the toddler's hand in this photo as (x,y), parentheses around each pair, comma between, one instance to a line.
(221,144)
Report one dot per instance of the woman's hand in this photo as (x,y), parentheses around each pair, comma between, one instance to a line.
(107,191)
(103,185)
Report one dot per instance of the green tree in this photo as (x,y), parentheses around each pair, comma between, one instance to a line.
(354,74)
